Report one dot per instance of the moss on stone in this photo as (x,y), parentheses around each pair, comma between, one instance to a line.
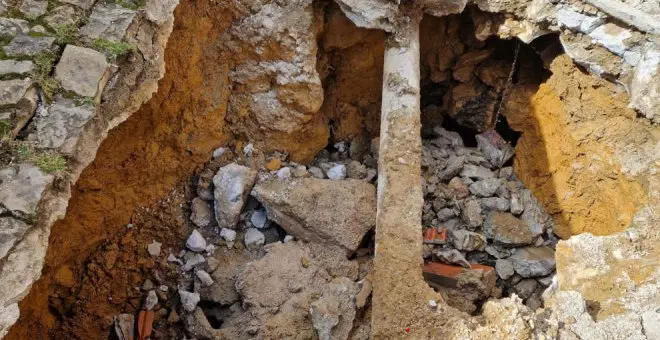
(112,49)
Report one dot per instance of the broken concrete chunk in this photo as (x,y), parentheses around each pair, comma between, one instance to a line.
(495,203)
(82,70)
(12,91)
(333,313)
(496,150)
(485,187)
(60,128)
(525,288)
(232,183)
(509,231)
(504,268)
(471,213)
(15,67)
(452,256)
(323,211)
(462,286)
(11,232)
(154,248)
(467,240)
(28,46)
(202,213)
(189,300)
(108,21)
(21,187)
(196,241)
(254,239)
(645,85)
(570,18)
(476,172)
(533,261)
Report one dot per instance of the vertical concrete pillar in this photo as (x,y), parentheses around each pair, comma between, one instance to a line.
(399,288)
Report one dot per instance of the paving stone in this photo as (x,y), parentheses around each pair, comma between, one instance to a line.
(11,232)
(12,91)
(84,4)
(61,127)
(62,16)
(33,9)
(108,21)
(81,70)
(471,213)
(13,27)
(19,67)
(28,46)
(21,187)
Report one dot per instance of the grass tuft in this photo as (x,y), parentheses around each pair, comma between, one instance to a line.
(66,34)
(112,49)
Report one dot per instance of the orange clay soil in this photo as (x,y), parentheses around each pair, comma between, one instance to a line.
(570,126)
(165,141)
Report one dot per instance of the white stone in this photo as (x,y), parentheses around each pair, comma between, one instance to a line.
(284,173)
(204,277)
(229,236)
(568,17)
(645,85)
(611,37)
(193,261)
(337,172)
(433,304)
(108,21)
(172,258)
(196,241)
(154,248)
(151,301)
(217,153)
(233,184)
(288,238)
(189,300)
(81,70)
(259,219)
(651,324)
(254,239)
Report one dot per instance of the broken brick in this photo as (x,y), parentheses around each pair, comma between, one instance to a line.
(448,275)
(433,236)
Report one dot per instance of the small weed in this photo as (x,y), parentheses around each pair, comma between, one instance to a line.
(131,4)
(66,34)
(5,128)
(48,161)
(112,48)
(15,13)
(80,101)
(44,64)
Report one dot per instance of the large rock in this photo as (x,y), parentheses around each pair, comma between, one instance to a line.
(318,210)
(11,231)
(21,187)
(232,183)
(11,91)
(60,128)
(509,231)
(28,46)
(108,21)
(533,261)
(82,70)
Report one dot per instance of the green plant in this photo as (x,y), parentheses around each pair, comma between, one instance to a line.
(84,101)
(131,4)
(66,34)
(113,49)
(5,128)
(44,62)
(48,161)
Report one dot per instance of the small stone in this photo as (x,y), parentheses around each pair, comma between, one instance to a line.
(274,164)
(196,241)
(467,240)
(13,27)
(189,300)
(300,172)
(81,70)
(288,238)
(453,167)
(526,287)
(21,187)
(445,214)
(204,277)
(485,187)
(516,204)
(356,170)
(62,16)
(259,219)
(172,258)
(471,213)
(371,175)
(337,172)
(192,262)
(316,172)
(163,288)
(545,281)
(458,187)
(202,212)
(233,184)
(284,173)
(147,285)
(433,304)
(504,269)
(229,236)
(212,263)
(533,261)
(154,248)
(254,239)
(495,203)
(173,317)
(15,67)
(476,172)
(494,148)
(151,301)
(217,153)
(498,252)
(506,173)
(452,256)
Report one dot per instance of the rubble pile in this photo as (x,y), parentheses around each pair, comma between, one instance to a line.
(485,234)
